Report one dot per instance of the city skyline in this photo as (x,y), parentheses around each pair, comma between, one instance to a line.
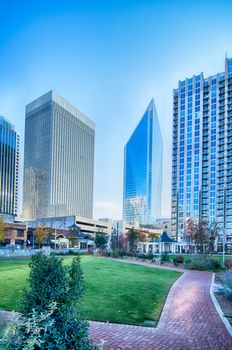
(96,55)
(143,164)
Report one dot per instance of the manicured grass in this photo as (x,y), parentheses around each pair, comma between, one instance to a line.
(115,291)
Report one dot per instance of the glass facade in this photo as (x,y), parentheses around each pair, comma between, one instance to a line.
(202,151)
(9,168)
(58,159)
(143,170)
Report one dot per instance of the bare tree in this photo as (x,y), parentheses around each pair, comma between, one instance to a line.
(202,234)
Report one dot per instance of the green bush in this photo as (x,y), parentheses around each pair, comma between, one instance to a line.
(52,316)
(164,258)
(178,259)
(202,264)
(215,264)
(228,263)
(144,256)
(106,253)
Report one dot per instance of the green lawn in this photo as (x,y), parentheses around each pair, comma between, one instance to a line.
(115,291)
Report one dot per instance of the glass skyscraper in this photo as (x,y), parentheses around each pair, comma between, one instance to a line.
(58,159)
(202,151)
(143,156)
(9,168)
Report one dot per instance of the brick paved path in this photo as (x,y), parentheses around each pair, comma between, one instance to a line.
(189,320)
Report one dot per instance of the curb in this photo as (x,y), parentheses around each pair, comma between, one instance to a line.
(218,308)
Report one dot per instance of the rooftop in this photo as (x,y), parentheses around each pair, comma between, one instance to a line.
(54,96)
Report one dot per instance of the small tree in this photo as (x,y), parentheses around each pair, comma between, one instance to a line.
(101,240)
(123,243)
(2,231)
(114,241)
(202,234)
(190,232)
(212,236)
(52,316)
(132,236)
(41,234)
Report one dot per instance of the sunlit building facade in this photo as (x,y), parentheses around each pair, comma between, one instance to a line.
(9,169)
(58,159)
(143,156)
(202,151)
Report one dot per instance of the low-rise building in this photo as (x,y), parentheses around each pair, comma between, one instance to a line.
(121,227)
(65,222)
(15,233)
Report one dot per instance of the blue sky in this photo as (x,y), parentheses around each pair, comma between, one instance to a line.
(109,58)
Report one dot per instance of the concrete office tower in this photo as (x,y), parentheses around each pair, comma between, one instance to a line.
(143,156)
(202,151)
(58,159)
(9,170)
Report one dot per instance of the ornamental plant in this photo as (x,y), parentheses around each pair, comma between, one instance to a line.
(52,315)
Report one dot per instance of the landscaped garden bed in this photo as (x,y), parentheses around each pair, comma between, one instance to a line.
(201,262)
(223,292)
(115,291)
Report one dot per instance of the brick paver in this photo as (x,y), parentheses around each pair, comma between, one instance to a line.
(189,320)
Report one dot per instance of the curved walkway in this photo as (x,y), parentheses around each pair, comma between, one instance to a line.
(189,320)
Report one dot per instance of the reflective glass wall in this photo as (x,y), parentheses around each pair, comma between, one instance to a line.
(143,170)
(9,168)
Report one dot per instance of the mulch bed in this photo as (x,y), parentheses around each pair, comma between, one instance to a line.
(226,306)
(224,302)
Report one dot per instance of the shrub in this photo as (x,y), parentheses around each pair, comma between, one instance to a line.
(52,316)
(195,264)
(228,263)
(145,256)
(178,259)
(226,282)
(215,264)
(106,253)
(164,258)
(202,264)
(115,253)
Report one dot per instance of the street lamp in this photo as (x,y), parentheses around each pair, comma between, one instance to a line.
(224,230)
(223,247)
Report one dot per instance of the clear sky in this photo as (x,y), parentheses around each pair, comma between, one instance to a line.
(109,58)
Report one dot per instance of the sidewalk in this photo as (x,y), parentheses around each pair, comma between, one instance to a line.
(189,320)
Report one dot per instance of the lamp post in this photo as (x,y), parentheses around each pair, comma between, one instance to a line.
(33,240)
(63,223)
(55,238)
(223,248)
(224,230)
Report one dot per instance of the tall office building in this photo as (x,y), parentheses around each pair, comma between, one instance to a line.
(9,169)
(58,159)
(143,156)
(202,151)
